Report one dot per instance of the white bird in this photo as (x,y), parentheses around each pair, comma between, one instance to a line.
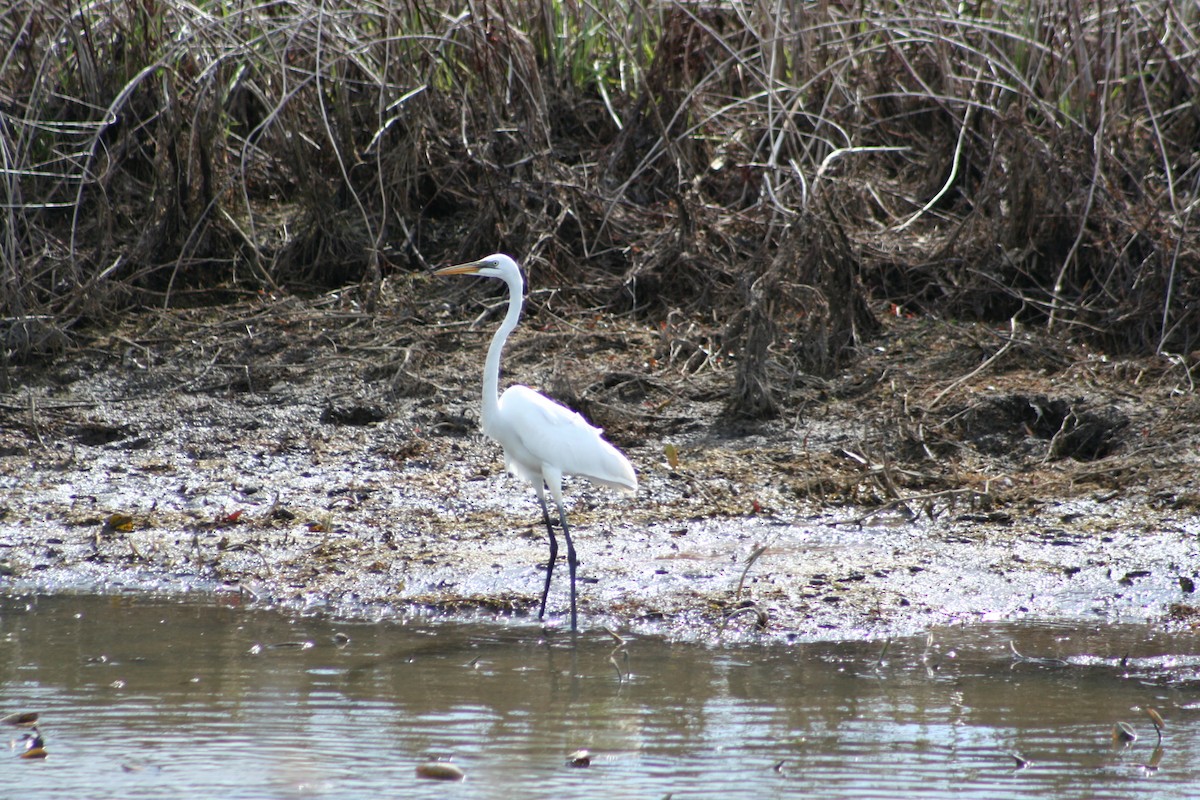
(542,440)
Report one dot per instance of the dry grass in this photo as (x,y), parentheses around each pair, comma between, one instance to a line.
(767,168)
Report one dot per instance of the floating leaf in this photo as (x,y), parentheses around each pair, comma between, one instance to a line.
(20,718)
(1155,717)
(1123,733)
(440,771)
(33,745)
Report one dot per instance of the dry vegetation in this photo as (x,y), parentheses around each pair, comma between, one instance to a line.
(926,260)
(767,172)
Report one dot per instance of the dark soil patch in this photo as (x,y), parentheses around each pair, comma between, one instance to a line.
(1056,427)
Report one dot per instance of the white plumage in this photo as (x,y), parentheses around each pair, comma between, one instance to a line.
(542,440)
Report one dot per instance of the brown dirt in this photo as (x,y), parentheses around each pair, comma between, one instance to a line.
(313,454)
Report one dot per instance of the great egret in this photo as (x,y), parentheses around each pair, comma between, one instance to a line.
(542,440)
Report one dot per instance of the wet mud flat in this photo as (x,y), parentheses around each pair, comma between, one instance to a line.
(313,455)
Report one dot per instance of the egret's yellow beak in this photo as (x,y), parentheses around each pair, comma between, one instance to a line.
(471,268)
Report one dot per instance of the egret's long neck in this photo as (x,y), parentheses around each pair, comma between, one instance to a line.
(491,367)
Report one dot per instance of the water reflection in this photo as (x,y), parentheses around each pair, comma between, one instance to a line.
(151,697)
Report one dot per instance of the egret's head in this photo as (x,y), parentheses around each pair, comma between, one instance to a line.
(496,265)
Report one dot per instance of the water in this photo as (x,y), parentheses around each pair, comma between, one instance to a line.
(144,696)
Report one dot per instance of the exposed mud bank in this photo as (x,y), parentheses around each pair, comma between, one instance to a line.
(315,456)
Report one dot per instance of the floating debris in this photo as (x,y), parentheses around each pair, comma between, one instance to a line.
(32,745)
(1051,662)
(1157,719)
(440,771)
(20,718)
(618,650)
(1123,733)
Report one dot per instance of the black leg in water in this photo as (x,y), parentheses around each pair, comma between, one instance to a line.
(553,557)
(571,563)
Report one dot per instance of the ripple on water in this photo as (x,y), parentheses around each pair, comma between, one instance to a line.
(144,696)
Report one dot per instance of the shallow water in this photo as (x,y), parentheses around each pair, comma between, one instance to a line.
(143,696)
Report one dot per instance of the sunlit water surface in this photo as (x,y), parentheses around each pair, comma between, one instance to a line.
(158,697)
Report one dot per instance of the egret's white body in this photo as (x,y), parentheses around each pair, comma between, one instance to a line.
(542,440)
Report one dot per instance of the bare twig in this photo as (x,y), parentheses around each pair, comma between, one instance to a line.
(1012,337)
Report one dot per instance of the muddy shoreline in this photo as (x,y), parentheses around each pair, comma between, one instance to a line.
(318,457)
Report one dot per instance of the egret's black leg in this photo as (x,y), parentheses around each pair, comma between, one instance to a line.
(553,556)
(571,562)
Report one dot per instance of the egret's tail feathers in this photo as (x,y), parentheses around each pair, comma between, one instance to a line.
(623,486)
(613,471)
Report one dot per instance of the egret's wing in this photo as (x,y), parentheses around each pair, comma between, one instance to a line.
(544,432)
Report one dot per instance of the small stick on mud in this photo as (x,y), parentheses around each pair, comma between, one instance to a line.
(926,499)
(1012,326)
(755,554)
(251,548)
(760,623)
(33,420)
